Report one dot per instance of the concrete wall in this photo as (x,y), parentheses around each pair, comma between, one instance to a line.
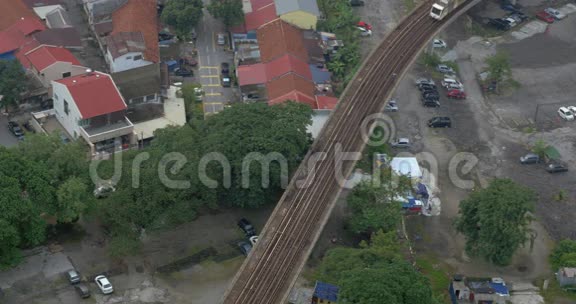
(125,62)
(68,121)
(55,71)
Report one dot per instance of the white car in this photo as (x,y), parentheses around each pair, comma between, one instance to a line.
(104,284)
(439,43)
(391,106)
(450,83)
(364,32)
(444,69)
(565,114)
(401,143)
(572,109)
(555,13)
(253,240)
(511,21)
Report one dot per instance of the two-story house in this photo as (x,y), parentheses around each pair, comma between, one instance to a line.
(48,63)
(91,107)
(125,51)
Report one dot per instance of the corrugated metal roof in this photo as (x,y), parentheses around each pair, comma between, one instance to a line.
(288,6)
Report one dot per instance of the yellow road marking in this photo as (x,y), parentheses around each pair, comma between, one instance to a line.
(213,94)
(210,76)
(210,85)
(209,67)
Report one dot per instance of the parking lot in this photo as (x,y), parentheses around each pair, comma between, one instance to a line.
(7,139)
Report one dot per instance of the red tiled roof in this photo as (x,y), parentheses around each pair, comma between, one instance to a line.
(40,3)
(258,4)
(286,64)
(12,11)
(277,38)
(326,102)
(289,83)
(45,56)
(251,74)
(139,16)
(94,94)
(258,18)
(21,53)
(295,96)
(17,34)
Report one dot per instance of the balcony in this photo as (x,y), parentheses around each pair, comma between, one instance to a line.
(100,133)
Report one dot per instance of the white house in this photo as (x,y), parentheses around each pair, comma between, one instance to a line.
(91,107)
(48,63)
(125,51)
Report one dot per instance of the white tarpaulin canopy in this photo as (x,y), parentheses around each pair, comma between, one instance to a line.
(407,166)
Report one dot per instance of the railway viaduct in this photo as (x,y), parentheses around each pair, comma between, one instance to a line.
(288,237)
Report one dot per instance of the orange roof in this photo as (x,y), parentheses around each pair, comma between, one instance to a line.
(12,11)
(287,64)
(257,18)
(139,16)
(326,102)
(45,56)
(277,38)
(295,96)
(18,33)
(251,74)
(289,84)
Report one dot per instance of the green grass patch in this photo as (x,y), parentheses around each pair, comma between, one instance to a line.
(555,292)
(438,274)
(409,5)
(477,29)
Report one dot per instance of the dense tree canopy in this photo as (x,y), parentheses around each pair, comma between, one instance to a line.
(182,15)
(564,255)
(495,220)
(229,11)
(374,272)
(12,82)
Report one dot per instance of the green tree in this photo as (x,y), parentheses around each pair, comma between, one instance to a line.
(72,199)
(229,11)
(564,255)
(374,207)
(539,148)
(12,82)
(182,15)
(9,241)
(499,67)
(495,220)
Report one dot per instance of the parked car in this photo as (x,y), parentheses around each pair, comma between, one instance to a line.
(221,39)
(431,95)
(73,276)
(103,190)
(451,82)
(566,114)
(456,94)
(518,16)
(558,15)
(247,227)
(253,240)
(226,81)
(15,129)
(225,68)
(556,167)
(400,143)
(82,290)
(427,87)
(544,16)
(391,106)
(431,103)
(365,25)
(183,72)
(499,24)
(364,32)
(440,122)
(104,284)
(510,21)
(356,3)
(439,43)
(421,81)
(572,109)
(529,158)
(444,69)
(245,247)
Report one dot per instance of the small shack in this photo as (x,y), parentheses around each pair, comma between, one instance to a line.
(407,166)
(325,293)
(566,277)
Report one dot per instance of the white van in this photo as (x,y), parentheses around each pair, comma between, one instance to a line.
(452,83)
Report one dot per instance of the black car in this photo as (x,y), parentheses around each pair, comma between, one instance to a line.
(499,24)
(226,81)
(245,247)
(431,95)
(82,290)
(247,227)
(14,127)
(183,72)
(356,3)
(430,103)
(556,168)
(427,87)
(225,68)
(440,122)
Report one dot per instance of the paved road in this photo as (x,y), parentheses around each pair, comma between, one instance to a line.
(210,56)
(6,138)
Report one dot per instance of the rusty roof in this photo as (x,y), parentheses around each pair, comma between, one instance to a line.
(287,84)
(12,11)
(139,16)
(278,38)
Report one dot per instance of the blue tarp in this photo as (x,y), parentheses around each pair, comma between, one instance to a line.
(500,288)
(422,191)
(326,291)
(319,75)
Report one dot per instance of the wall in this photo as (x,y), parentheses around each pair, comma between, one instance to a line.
(70,121)
(125,62)
(54,72)
(301,19)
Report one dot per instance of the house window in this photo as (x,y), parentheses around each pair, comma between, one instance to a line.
(67,74)
(137,57)
(128,57)
(84,122)
(66,110)
(150,97)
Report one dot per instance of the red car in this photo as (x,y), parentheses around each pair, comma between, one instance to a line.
(544,16)
(364,25)
(456,94)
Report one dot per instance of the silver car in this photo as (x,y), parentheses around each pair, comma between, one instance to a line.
(221,39)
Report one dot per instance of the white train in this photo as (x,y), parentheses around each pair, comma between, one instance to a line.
(441,8)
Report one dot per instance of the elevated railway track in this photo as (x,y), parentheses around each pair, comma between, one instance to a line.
(297,221)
